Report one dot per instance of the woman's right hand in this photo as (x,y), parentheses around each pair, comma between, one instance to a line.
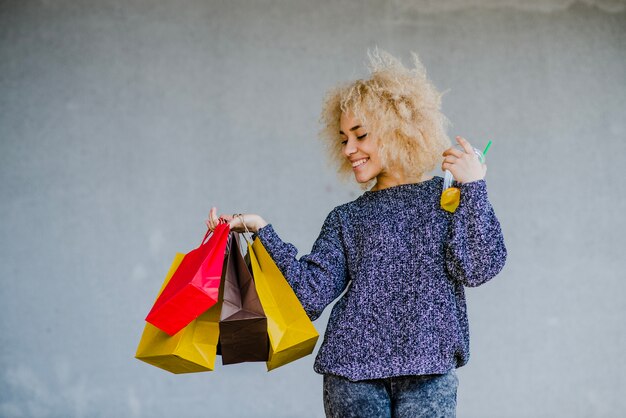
(236,222)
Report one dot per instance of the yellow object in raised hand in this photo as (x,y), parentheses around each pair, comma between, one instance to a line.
(450,199)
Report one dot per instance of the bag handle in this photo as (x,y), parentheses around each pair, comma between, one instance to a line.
(210,233)
(239,215)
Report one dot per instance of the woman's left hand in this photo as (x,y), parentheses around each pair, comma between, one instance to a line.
(247,222)
(464,165)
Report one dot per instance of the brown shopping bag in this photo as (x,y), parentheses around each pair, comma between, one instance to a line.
(243,325)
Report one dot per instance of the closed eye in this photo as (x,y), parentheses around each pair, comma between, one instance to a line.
(345,141)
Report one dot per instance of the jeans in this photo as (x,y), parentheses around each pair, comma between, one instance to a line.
(428,396)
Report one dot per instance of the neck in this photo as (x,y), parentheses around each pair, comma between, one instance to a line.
(385,180)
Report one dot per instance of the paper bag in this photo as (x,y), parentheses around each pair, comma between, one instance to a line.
(291,333)
(243,326)
(194,287)
(193,349)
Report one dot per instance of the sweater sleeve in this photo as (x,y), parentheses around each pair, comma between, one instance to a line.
(475,251)
(317,278)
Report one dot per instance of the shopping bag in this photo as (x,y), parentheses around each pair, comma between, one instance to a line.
(193,349)
(243,326)
(291,333)
(194,286)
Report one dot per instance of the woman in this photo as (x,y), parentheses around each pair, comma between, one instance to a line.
(397,334)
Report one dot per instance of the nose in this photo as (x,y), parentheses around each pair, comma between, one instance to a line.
(350,148)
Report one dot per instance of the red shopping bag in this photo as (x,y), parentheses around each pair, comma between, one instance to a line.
(195,285)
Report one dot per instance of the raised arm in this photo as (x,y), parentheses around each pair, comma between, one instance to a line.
(475,250)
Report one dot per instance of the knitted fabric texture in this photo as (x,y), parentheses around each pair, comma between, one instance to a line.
(403,263)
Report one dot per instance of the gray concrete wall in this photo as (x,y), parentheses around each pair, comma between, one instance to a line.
(122,122)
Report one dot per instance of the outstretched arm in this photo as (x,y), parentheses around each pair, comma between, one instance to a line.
(317,278)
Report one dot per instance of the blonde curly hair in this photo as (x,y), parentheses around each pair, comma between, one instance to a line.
(400,106)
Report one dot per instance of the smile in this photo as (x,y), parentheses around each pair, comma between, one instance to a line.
(359,163)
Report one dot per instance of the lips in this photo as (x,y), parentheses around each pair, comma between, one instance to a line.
(360,162)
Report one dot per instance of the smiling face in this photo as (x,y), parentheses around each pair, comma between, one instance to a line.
(360,148)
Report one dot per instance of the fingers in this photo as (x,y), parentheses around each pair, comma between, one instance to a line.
(453,151)
(238,222)
(451,159)
(227,219)
(464,164)
(209,221)
(213,220)
(465,144)
(235,222)
(451,156)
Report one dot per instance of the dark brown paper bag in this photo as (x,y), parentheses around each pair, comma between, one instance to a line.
(243,325)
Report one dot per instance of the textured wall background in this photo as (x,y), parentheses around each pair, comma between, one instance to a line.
(122,122)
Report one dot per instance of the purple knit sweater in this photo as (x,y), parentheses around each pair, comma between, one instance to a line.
(403,263)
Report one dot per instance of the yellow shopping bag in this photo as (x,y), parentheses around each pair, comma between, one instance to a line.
(192,349)
(291,333)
